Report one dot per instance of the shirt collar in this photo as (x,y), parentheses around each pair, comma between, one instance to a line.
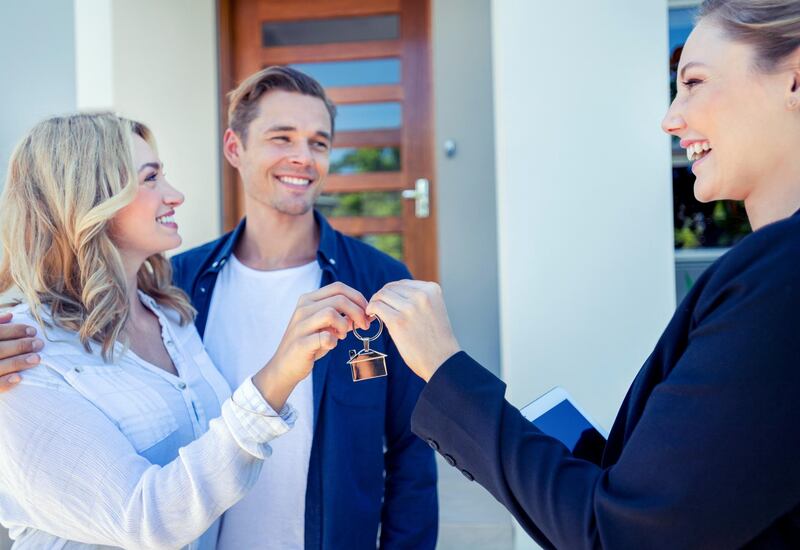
(326,254)
(225,251)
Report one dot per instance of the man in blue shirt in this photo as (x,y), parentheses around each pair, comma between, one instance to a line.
(353,475)
(369,478)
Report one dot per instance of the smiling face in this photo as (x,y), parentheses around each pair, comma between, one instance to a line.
(730,116)
(147,225)
(285,158)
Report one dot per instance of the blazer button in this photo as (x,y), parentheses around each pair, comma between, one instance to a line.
(468,475)
(432,444)
(450,460)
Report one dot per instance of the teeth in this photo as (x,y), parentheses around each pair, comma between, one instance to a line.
(697,150)
(294,181)
(166,219)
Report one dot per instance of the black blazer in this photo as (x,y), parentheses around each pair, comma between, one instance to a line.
(705,451)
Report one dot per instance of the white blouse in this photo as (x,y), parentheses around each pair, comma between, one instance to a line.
(126,454)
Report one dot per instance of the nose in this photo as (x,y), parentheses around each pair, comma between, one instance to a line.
(301,154)
(673,122)
(172,197)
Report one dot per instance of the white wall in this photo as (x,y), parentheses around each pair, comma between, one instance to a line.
(93,55)
(37,63)
(584,195)
(465,182)
(165,75)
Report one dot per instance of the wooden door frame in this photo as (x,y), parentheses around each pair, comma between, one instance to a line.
(231,191)
(416,33)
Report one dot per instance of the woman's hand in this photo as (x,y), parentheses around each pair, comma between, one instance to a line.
(416,317)
(322,318)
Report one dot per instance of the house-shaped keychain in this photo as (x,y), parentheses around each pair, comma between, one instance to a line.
(367,363)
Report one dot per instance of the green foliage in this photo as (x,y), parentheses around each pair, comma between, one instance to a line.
(391,243)
(721,224)
(367,159)
(367,204)
(382,204)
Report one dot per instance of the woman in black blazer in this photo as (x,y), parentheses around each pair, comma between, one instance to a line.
(705,451)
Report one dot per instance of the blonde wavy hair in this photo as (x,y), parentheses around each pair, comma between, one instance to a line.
(66,180)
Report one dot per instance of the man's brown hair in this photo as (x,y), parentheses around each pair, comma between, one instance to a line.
(243,101)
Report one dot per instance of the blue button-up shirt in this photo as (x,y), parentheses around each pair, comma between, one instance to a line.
(366,469)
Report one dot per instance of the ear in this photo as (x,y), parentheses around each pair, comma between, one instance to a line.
(232,147)
(793,94)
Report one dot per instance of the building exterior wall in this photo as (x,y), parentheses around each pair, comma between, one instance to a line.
(94,55)
(586,255)
(165,74)
(37,60)
(467,216)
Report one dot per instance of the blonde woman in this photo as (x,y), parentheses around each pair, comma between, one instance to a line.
(126,435)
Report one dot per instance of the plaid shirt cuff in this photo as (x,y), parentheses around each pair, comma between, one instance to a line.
(252,422)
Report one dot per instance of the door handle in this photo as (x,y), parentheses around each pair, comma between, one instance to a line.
(421,196)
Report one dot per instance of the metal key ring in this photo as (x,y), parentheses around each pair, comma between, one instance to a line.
(373,337)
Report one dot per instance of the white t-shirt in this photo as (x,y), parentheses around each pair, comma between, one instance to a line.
(248,315)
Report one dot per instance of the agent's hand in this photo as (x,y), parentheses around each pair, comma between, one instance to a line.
(322,318)
(17,351)
(416,317)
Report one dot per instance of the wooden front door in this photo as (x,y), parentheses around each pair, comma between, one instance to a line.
(373,58)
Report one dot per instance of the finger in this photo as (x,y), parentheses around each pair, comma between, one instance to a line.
(320,343)
(9,381)
(336,334)
(19,363)
(13,348)
(397,301)
(415,291)
(15,331)
(408,284)
(387,313)
(326,318)
(344,306)
(353,310)
(6,317)
(338,288)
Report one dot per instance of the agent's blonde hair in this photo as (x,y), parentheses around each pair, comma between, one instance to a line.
(66,180)
(772,27)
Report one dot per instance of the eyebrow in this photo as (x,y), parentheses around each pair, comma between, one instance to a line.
(155,165)
(690,65)
(320,133)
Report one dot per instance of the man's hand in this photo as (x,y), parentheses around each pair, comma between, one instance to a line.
(416,317)
(322,318)
(17,351)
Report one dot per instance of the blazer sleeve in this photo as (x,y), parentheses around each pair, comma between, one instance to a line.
(711,463)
